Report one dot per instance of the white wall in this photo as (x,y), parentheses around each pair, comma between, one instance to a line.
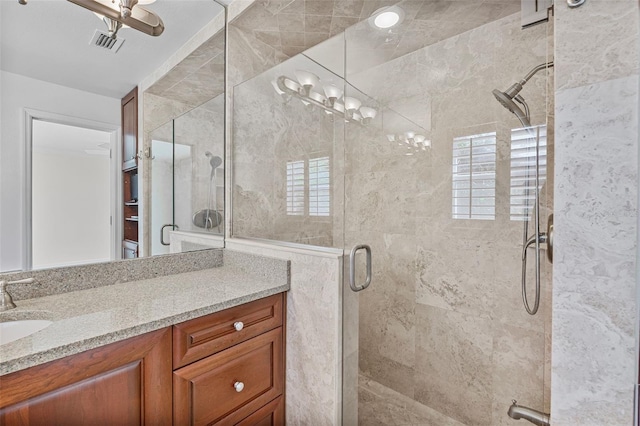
(71,209)
(19,92)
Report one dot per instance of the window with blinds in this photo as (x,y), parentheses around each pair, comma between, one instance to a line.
(309,187)
(523,169)
(295,188)
(474,177)
(319,187)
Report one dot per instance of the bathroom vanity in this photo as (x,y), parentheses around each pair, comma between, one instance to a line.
(203,347)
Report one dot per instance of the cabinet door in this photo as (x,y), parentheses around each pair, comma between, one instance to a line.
(271,414)
(227,387)
(124,383)
(130,130)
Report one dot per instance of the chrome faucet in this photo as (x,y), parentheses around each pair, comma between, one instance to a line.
(518,412)
(6,302)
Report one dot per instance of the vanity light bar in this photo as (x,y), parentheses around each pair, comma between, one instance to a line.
(348,108)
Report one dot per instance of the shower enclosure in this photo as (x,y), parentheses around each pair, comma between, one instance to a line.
(391,139)
(187,159)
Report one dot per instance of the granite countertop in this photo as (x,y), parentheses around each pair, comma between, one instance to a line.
(87,319)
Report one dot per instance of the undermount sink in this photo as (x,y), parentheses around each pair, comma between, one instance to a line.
(14,330)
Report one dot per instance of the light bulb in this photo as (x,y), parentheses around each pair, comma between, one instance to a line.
(332,92)
(419,138)
(351,104)
(307,79)
(368,112)
(386,19)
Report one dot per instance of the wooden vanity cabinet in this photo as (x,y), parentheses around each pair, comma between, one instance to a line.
(124,383)
(229,366)
(226,368)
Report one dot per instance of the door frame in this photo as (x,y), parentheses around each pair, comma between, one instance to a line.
(31,115)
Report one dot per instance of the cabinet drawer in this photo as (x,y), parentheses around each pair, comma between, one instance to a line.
(271,414)
(227,387)
(201,337)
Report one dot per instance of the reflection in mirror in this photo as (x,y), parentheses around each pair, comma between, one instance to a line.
(184,128)
(50,74)
(312,127)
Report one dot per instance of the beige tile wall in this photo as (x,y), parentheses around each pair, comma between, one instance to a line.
(595,320)
(443,322)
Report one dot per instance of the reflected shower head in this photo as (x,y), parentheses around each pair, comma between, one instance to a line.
(214,160)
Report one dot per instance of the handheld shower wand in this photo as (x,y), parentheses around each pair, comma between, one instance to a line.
(507,98)
(214,162)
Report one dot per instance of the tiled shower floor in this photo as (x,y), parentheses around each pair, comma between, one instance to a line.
(378,405)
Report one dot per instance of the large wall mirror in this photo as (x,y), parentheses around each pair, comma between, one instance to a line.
(69,192)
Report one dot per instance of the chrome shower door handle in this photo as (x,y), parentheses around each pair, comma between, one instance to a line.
(162,233)
(352,267)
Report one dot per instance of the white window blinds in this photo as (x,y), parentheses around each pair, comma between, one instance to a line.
(319,187)
(295,188)
(474,177)
(309,187)
(523,169)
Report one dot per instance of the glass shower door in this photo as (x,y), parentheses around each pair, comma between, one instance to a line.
(161,188)
(434,185)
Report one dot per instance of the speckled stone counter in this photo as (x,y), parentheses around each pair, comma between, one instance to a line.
(90,318)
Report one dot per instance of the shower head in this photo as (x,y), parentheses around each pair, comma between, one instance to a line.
(214,160)
(507,97)
(507,102)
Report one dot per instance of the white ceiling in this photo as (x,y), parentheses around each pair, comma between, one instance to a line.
(49,40)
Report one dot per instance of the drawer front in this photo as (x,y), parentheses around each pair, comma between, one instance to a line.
(226,387)
(201,337)
(271,414)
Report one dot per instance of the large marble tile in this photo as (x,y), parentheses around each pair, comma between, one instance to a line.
(368,208)
(380,405)
(454,364)
(518,365)
(596,42)
(594,316)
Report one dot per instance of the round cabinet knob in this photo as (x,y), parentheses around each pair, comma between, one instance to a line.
(238,386)
(238,325)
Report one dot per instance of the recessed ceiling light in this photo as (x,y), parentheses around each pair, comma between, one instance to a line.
(387,17)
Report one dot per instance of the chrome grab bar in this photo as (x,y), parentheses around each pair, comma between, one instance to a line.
(162,233)
(352,267)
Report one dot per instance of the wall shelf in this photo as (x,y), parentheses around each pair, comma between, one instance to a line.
(130,203)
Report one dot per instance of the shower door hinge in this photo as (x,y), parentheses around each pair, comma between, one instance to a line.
(535,11)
